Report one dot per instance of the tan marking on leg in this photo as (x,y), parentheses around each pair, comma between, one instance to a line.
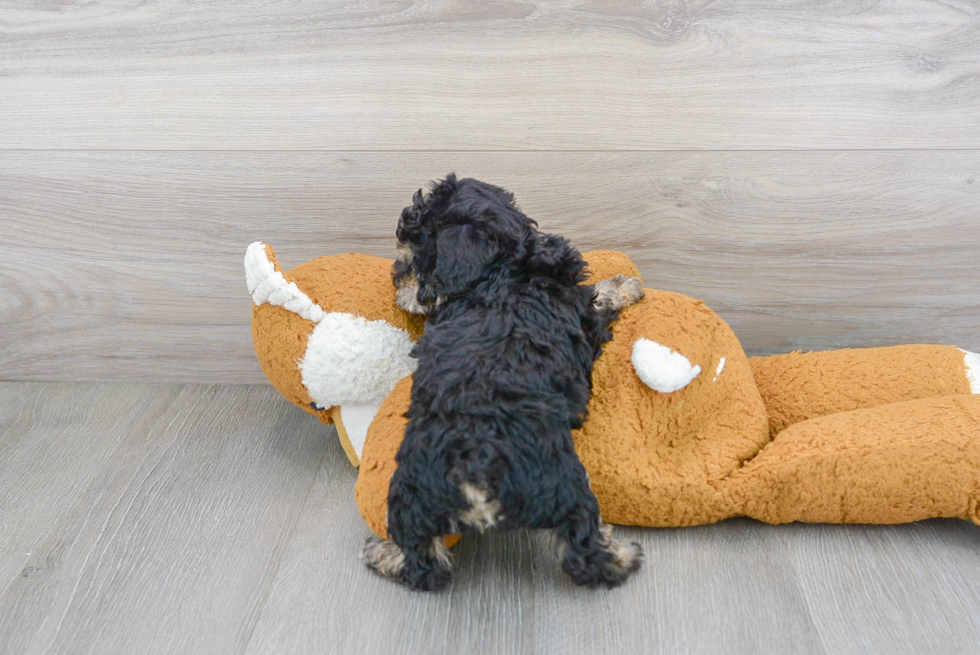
(481,514)
(627,555)
(385,557)
(556,545)
(440,553)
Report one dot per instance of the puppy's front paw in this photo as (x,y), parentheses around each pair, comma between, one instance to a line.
(618,292)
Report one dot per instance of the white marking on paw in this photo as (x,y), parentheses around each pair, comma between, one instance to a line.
(971,361)
(660,368)
(721,367)
(267,285)
(357,419)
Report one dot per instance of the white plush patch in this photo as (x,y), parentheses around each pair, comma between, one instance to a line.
(972,363)
(352,361)
(267,285)
(660,368)
(357,419)
(721,367)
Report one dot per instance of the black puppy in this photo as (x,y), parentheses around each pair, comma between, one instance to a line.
(504,375)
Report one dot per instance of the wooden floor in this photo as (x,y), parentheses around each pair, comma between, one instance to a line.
(142,518)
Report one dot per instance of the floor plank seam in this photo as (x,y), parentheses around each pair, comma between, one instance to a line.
(802,591)
(281,554)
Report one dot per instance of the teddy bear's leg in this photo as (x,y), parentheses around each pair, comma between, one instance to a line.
(800,386)
(890,464)
(584,544)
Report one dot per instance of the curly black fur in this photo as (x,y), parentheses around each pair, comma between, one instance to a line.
(504,375)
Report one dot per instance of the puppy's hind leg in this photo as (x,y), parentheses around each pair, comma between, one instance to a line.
(425,567)
(589,554)
(416,556)
(587,551)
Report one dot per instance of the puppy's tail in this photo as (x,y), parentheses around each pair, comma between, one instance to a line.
(267,284)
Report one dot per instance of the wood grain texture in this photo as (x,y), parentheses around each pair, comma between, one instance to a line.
(702,590)
(128,265)
(190,519)
(45,467)
(168,544)
(896,589)
(502,75)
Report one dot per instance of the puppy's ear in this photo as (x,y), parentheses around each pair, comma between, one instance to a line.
(461,258)
(554,256)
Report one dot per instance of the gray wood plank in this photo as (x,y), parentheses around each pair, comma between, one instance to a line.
(182,518)
(448,74)
(48,458)
(726,588)
(128,265)
(891,589)
(172,545)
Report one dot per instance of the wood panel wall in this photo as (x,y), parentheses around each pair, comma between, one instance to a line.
(811,170)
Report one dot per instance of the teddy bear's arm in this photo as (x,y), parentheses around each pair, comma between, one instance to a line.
(799,386)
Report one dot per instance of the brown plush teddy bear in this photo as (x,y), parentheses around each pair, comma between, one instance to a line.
(683,429)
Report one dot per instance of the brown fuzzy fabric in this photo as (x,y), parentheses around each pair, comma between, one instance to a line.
(653,458)
(378,457)
(604,264)
(801,386)
(280,336)
(882,435)
(661,459)
(889,464)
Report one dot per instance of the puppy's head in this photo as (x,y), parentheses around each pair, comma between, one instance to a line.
(460,233)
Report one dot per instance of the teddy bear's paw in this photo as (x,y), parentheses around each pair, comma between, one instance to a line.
(618,292)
